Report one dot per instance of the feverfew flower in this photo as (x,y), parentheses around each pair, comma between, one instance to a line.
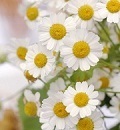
(53,113)
(84,12)
(109,9)
(92,122)
(81,49)
(58,85)
(115,108)
(81,100)
(31,12)
(32,104)
(17,50)
(54,29)
(39,61)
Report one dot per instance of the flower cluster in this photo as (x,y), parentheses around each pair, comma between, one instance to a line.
(76,58)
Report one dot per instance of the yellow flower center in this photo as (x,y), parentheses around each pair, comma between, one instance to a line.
(57,31)
(113,6)
(85,124)
(105,50)
(85,12)
(32,13)
(66,0)
(30,109)
(40,60)
(29,77)
(59,110)
(21,52)
(105,82)
(81,49)
(81,99)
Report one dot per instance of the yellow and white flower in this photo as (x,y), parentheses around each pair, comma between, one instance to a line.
(32,12)
(115,108)
(84,12)
(32,103)
(54,29)
(58,85)
(81,101)
(92,122)
(81,49)
(39,61)
(17,50)
(109,9)
(53,113)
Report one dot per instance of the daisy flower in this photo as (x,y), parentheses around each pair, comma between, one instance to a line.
(84,12)
(54,29)
(81,49)
(31,12)
(54,114)
(17,50)
(109,9)
(101,79)
(32,103)
(92,122)
(81,100)
(39,61)
(115,108)
(58,85)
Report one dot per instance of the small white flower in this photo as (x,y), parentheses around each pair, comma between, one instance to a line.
(32,12)
(92,122)
(32,105)
(109,9)
(81,49)
(53,113)
(101,79)
(84,12)
(39,61)
(54,29)
(115,108)
(81,100)
(58,85)
(17,50)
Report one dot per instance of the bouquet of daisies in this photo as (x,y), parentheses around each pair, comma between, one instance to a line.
(76,60)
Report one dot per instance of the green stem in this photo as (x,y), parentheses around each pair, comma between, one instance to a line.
(106,33)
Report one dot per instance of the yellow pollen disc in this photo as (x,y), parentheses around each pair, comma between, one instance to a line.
(30,109)
(81,99)
(105,50)
(32,13)
(66,0)
(29,77)
(59,110)
(21,52)
(85,12)
(57,31)
(113,6)
(81,49)
(40,60)
(105,82)
(85,124)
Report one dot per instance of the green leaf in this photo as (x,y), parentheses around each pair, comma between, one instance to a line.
(117,127)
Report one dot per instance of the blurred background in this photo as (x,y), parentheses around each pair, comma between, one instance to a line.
(12,79)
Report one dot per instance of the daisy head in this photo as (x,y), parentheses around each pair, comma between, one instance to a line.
(31,12)
(39,61)
(53,112)
(58,85)
(53,29)
(32,103)
(109,9)
(17,50)
(92,122)
(115,108)
(84,12)
(81,50)
(81,100)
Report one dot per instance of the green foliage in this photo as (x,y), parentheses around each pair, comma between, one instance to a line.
(117,127)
